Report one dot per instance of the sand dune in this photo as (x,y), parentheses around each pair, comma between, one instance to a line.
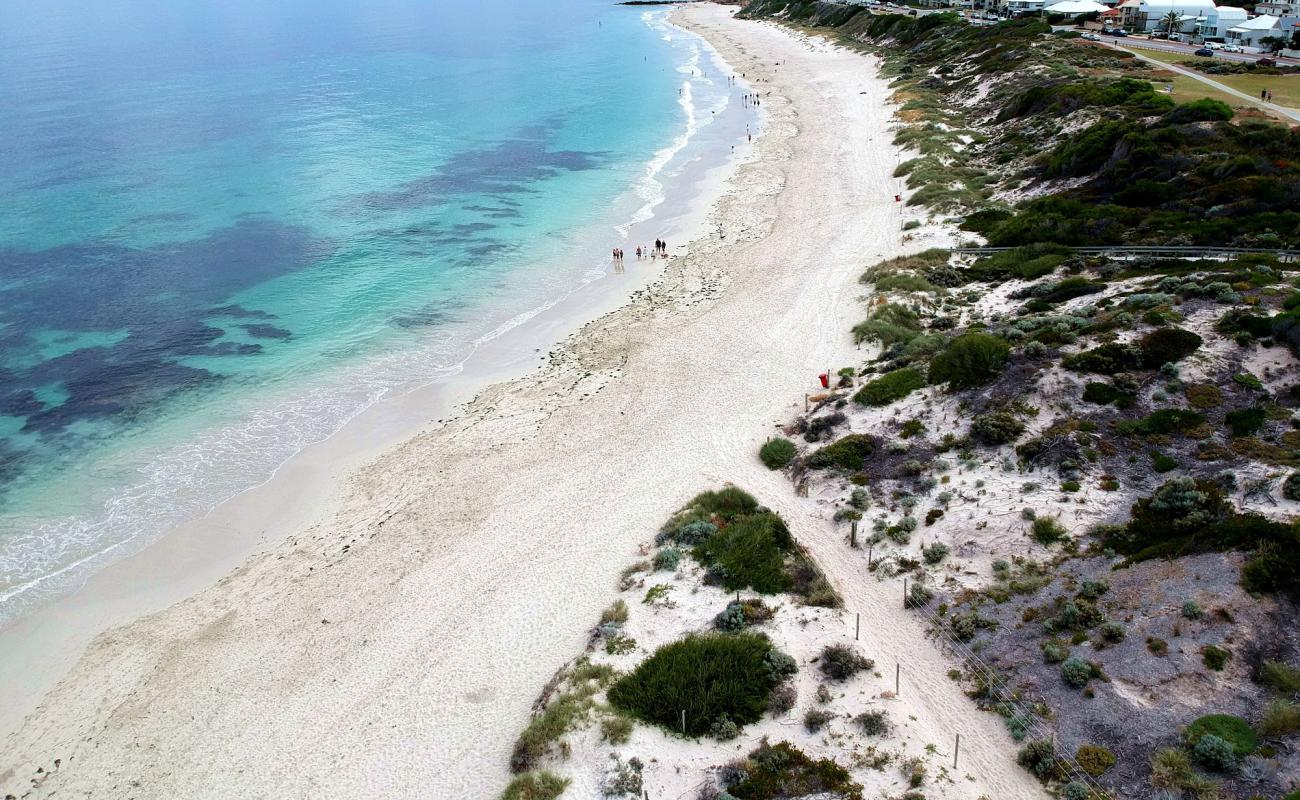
(395,650)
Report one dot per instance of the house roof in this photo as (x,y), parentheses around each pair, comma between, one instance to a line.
(1075,7)
(1231,12)
(1181,6)
(1260,23)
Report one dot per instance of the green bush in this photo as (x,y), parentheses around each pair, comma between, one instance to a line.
(1076,672)
(997,427)
(1280,677)
(839,662)
(1167,346)
(970,360)
(934,553)
(1047,531)
(667,559)
(535,786)
(850,452)
(890,387)
(782,770)
(816,719)
(1291,486)
(1106,359)
(1214,753)
(889,324)
(776,453)
(1104,394)
(1094,759)
(1245,422)
(1202,110)
(750,553)
(1039,757)
(1281,719)
(1162,422)
(1234,730)
(709,676)
(1216,658)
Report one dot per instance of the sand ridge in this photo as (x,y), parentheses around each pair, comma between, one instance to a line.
(396,650)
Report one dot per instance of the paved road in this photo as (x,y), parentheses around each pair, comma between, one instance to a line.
(1185,49)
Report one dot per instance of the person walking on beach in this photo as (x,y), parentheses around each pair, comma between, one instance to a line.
(638,253)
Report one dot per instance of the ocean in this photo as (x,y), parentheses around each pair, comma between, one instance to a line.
(227,227)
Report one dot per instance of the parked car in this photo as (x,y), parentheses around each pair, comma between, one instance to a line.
(1232,48)
(1204,52)
(1213,45)
(1092,37)
(1266,62)
(1119,34)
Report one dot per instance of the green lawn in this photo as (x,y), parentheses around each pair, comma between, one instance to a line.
(1285,88)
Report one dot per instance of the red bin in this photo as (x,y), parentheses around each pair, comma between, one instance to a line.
(825,379)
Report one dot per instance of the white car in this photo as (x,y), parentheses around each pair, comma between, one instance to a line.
(1092,37)
(1231,48)
(1213,46)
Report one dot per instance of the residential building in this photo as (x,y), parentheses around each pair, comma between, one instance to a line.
(1250,32)
(1216,23)
(1152,13)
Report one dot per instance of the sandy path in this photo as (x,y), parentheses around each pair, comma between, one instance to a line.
(395,651)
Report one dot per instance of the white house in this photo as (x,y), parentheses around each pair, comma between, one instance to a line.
(1151,13)
(1218,21)
(1074,8)
(1248,33)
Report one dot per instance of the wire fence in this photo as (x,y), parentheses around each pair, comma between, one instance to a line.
(1155,251)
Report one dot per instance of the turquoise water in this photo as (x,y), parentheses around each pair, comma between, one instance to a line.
(226,228)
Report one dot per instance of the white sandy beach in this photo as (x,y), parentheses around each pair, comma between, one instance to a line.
(395,649)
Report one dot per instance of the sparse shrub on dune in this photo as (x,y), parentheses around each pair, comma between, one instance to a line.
(781,770)
(1094,759)
(850,452)
(778,452)
(997,427)
(969,361)
(709,676)
(1167,346)
(536,786)
(890,387)
(839,662)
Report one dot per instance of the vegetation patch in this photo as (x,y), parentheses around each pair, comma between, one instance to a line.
(970,360)
(776,772)
(711,677)
(890,387)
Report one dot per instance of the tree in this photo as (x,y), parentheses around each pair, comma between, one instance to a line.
(1171,21)
(1273,44)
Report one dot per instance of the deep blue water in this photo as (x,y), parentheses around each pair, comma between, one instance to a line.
(228,226)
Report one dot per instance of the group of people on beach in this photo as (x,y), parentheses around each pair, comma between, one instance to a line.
(660,251)
(751,99)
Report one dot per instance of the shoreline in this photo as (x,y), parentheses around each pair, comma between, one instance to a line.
(41,643)
(403,636)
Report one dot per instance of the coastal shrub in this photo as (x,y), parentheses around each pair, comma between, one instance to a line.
(1225,727)
(750,553)
(1028,262)
(1245,422)
(543,785)
(890,387)
(1167,346)
(1280,677)
(1203,396)
(560,715)
(1291,486)
(616,614)
(1162,422)
(1112,632)
(1205,109)
(1076,672)
(889,324)
(873,723)
(1281,719)
(616,729)
(839,662)
(776,453)
(1106,359)
(816,719)
(1191,610)
(723,729)
(1039,757)
(694,523)
(1214,753)
(781,699)
(782,770)
(1094,759)
(934,553)
(667,559)
(1104,394)
(970,360)
(918,596)
(740,614)
(709,676)
(850,452)
(997,427)
(1047,531)
(1055,652)
(1215,658)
